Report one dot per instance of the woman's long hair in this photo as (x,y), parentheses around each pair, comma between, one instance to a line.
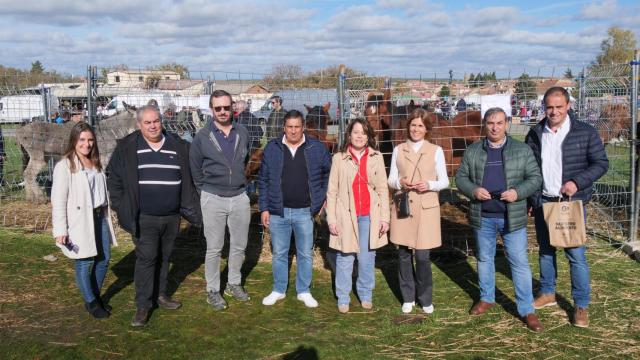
(368,130)
(74,136)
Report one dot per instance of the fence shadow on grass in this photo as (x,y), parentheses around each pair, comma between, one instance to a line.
(456,266)
(187,257)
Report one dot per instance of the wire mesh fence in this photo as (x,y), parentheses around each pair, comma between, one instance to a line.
(600,96)
(31,108)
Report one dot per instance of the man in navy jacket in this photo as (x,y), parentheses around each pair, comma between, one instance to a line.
(571,157)
(293,186)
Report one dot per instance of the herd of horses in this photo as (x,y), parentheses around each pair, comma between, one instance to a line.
(389,121)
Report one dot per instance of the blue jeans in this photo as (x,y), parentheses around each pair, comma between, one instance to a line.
(90,272)
(515,246)
(578,267)
(366,267)
(301,223)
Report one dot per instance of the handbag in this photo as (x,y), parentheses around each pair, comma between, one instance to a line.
(565,221)
(401,198)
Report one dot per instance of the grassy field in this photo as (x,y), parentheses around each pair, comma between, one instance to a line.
(41,314)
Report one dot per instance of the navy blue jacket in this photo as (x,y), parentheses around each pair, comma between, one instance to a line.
(270,179)
(584,159)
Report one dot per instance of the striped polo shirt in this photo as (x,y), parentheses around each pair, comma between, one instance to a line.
(159,179)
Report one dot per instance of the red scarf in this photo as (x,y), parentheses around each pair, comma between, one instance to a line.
(359,186)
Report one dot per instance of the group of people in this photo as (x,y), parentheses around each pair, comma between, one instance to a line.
(154,177)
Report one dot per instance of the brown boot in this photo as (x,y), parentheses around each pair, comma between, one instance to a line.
(140,318)
(168,303)
(581,317)
(533,323)
(544,300)
(481,307)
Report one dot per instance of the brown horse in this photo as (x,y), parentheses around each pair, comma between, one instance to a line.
(378,111)
(453,135)
(456,135)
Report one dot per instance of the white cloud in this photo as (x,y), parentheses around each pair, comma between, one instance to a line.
(598,11)
(383,36)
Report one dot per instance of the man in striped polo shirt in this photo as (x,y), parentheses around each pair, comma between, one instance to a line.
(150,185)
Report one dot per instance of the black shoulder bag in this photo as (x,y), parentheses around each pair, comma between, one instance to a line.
(401,199)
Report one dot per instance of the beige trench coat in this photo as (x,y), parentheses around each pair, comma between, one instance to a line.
(341,209)
(72,210)
(422,229)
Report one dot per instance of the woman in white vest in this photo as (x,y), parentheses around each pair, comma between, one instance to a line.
(80,215)
(417,168)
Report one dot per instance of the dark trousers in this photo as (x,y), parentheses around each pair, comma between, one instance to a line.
(157,235)
(419,286)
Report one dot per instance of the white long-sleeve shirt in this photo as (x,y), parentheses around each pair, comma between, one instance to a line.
(551,154)
(442,180)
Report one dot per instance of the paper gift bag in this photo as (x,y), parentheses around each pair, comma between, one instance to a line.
(565,220)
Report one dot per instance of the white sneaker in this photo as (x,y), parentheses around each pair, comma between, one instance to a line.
(308,300)
(272,298)
(428,309)
(408,307)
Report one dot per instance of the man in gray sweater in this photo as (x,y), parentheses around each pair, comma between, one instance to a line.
(218,156)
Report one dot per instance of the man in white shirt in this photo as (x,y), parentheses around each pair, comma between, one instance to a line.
(571,157)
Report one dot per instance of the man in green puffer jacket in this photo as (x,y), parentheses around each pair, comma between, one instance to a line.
(497,174)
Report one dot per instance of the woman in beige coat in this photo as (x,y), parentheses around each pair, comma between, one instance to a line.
(80,215)
(357,211)
(418,168)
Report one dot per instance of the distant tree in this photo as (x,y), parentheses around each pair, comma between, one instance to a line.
(617,48)
(37,68)
(180,69)
(471,80)
(450,76)
(525,88)
(328,78)
(286,72)
(568,74)
(444,91)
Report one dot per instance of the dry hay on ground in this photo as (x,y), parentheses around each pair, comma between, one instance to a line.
(457,235)
(25,215)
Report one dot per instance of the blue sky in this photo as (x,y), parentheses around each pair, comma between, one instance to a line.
(381,37)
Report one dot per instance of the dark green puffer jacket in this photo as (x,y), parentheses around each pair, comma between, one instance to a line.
(521,172)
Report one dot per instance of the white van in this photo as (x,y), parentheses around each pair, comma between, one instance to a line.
(192,101)
(21,108)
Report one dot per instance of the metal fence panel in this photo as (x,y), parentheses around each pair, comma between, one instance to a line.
(601,97)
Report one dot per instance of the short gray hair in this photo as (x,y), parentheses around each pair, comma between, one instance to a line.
(492,112)
(141,110)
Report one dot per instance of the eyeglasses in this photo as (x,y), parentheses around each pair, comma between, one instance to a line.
(219,108)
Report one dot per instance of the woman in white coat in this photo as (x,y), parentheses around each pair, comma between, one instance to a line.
(80,215)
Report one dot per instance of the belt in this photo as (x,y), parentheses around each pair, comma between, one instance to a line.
(553,198)
(99,210)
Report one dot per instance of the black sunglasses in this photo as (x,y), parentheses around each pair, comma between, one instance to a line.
(219,108)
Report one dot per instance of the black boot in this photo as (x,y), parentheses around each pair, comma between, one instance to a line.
(96,310)
(105,305)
